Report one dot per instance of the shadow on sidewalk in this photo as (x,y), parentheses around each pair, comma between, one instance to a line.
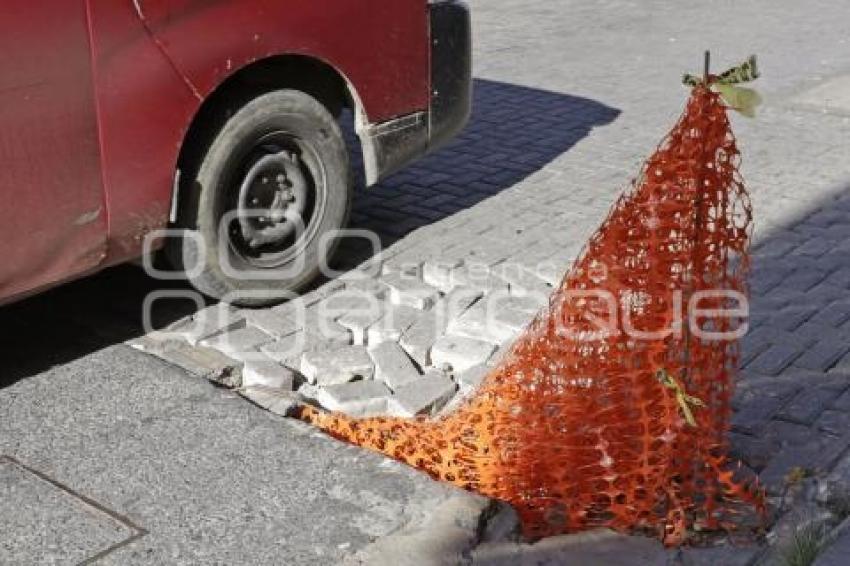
(514,132)
(79,318)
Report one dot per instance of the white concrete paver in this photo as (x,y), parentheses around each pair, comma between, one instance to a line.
(337,366)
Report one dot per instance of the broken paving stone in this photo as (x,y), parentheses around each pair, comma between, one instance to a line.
(427,395)
(268,373)
(460,353)
(275,400)
(337,366)
(411,292)
(357,399)
(207,363)
(392,365)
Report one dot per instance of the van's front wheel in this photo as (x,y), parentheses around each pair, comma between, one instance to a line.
(266,200)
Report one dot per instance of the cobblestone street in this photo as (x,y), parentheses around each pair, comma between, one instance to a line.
(570,98)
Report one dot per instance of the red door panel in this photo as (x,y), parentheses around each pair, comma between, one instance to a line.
(381,46)
(53,218)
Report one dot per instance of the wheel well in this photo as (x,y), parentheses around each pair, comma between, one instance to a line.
(299,72)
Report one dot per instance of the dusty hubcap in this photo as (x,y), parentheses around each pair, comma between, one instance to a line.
(272,200)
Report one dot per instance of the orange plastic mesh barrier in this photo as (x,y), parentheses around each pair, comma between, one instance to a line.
(585,423)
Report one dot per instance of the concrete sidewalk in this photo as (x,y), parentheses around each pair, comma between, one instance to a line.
(124,458)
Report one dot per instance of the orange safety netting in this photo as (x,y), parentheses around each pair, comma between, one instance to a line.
(607,412)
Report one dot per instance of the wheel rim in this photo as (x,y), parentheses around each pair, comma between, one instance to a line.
(279,200)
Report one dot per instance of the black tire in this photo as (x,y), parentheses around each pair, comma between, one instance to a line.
(282,153)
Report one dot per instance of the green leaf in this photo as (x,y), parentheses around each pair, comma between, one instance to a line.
(744,100)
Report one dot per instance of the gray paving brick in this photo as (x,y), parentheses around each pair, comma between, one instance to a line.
(843,365)
(438,273)
(272,321)
(825,292)
(239,344)
(807,405)
(818,454)
(477,323)
(810,332)
(814,247)
(751,346)
(834,314)
(411,292)
(522,281)
(346,302)
(333,367)
(367,285)
(320,329)
(479,277)
(460,353)
(358,398)
(775,359)
(210,322)
(287,350)
(425,396)
(792,317)
(457,302)
(840,278)
(392,365)
(268,373)
(824,354)
(512,320)
(842,403)
(358,322)
(390,327)
(419,338)
(803,279)
(834,422)
(755,405)
(275,400)
(754,451)
(207,363)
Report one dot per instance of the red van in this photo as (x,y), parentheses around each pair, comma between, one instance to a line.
(120,118)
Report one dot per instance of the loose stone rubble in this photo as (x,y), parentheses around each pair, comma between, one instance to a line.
(404,343)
